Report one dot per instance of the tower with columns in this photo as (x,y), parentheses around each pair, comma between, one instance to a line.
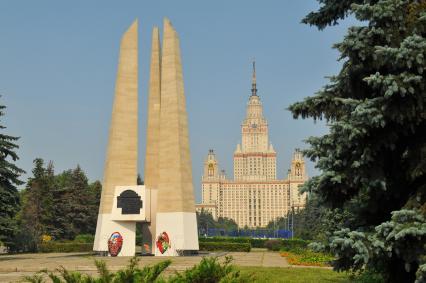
(254,196)
(254,158)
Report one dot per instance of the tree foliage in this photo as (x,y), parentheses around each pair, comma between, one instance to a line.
(206,221)
(9,180)
(305,222)
(37,215)
(60,206)
(373,160)
(80,207)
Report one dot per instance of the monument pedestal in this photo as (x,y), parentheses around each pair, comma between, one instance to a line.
(176,233)
(131,204)
(127,230)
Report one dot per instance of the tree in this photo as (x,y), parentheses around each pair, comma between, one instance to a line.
(48,201)
(373,160)
(206,221)
(36,212)
(306,222)
(94,199)
(61,206)
(278,223)
(9,180)
(75,204)
(80,203)
(226,223)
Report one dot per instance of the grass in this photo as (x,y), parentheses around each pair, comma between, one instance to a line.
(294,275)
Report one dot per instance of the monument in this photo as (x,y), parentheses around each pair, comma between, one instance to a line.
(176,219)
(165,204)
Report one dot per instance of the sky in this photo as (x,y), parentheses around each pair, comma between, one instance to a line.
(58,62)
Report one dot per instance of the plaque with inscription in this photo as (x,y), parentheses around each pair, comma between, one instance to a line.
(130,202)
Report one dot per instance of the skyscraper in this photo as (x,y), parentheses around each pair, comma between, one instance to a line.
(255,196)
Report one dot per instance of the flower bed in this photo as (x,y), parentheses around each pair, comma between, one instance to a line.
(307,258)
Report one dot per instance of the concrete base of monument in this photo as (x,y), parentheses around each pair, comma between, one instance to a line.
(176,234)
(122,234)
(116,231)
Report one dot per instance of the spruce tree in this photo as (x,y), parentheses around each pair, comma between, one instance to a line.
(32,226)
(39,216)
(94,198)
(9,180)
(77,200)
(373,160)
(76,203)
(48,218)
(59,194)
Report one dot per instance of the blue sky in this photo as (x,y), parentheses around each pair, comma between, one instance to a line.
(58,64)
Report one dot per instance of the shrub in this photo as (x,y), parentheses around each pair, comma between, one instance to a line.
(209,270)
(46,238)
(258,243)
(368,276)
(286,244)
(84,238)
(132,273)
(273,245)
(255,243)
(225,246)
(294,244)
(65,247)
(225,239)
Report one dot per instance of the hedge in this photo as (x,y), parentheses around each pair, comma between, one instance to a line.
(225,246)
(273,245)
(65,247)
(206,244)
(255,243)
(285,244)
(84,238)
(294,244)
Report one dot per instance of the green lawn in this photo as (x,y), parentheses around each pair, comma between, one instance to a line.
(296,275)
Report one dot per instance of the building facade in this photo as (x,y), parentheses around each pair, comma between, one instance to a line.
(255,196)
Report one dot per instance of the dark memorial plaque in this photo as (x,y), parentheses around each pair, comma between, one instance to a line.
(130,202)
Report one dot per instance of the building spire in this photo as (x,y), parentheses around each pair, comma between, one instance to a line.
(253,80)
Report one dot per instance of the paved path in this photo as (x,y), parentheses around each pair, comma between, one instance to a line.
(14,267)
